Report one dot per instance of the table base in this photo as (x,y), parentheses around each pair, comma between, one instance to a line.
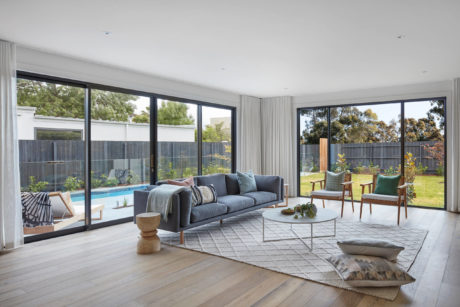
(311,237)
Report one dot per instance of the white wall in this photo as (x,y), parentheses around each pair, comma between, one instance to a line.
(405,92)
(100,130)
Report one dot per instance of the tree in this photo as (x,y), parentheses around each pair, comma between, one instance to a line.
(423,129)
(112,106)
(216,133)
(174,113)
(57,100)
(437,112)
(144,117)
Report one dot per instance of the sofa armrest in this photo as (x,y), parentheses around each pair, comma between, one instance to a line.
(181,209)
(272,184)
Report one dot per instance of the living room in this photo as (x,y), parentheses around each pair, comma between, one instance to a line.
(229,153)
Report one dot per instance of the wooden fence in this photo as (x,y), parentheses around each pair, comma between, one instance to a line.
(55,161)
(385,155)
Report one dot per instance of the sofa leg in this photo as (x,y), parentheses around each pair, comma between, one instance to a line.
(182,237)
(221,222)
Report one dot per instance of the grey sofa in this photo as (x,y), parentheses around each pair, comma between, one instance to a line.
(229,201)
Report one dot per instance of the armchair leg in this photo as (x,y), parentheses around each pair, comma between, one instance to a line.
(221,222)
(182,237)
(370,208)
(399,213)
(323,204)
(343,204)
(352,201)
(405,205)
(361,209)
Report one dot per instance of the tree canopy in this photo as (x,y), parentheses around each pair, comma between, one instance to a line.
(216,133)
(174,113)
(351,125)
(57,100)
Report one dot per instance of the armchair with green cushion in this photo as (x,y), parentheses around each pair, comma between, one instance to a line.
(385,190)
(338,188)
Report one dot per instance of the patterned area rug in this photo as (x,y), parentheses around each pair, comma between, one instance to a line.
(240,238)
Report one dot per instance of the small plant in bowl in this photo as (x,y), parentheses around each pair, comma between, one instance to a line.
(308,209)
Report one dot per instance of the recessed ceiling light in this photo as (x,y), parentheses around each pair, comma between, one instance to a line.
(107,33)
(400,36)
(222,68)
(424,71)
(285,88)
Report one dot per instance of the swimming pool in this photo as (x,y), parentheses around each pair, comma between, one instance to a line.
(107,192)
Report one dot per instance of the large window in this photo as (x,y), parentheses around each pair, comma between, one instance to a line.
(51,155)
(177,139)
(366,139)
(89,147)
(217,140)
(313,141)
(424,152)
(120,151)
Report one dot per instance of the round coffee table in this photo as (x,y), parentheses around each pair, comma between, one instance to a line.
(322,216)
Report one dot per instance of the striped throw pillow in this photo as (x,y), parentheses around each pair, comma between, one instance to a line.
(203,194)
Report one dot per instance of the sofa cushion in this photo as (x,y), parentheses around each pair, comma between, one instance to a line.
(218,180)
(247,182)
(233,188)
(262,197)
(207,211)
(387,185)
(236,202)
(372,196)
(334,181)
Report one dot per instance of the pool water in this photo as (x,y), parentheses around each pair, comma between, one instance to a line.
(107,192)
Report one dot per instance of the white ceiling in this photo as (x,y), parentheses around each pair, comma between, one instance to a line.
(256,47)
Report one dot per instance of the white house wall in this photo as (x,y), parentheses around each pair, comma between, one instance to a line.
(100,130)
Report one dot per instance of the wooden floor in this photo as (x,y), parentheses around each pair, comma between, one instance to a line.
(101,268)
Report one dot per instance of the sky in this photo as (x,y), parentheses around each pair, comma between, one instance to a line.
(208,112)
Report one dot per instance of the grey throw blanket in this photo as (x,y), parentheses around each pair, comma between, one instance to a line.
(160,199)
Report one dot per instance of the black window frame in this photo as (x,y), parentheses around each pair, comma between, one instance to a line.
(402,103)
(88,86)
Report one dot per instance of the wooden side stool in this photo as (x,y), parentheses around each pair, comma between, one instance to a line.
(148,223)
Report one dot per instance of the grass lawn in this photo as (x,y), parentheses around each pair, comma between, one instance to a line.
(429,189)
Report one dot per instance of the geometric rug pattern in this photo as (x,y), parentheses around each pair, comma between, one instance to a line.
(240,238)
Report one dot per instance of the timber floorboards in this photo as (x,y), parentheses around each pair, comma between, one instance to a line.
(101,268)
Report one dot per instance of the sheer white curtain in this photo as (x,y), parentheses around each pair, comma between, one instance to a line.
(250,138)
(454,206)
(11,234)
(277,140)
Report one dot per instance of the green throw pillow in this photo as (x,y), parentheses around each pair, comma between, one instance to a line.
(247,182)
(333,181)
(387,185)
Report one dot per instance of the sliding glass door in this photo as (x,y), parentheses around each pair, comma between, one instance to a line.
(217,140)
(313,143)
(388,138)
(120,152)
(51,127)
(365,140)
(177,139)
(89,147)
(424,152)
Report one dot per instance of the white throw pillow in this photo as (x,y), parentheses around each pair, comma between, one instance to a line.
(370,247)
(368,271)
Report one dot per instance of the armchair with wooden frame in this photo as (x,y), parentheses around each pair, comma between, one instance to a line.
(382,199)
(323,194)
